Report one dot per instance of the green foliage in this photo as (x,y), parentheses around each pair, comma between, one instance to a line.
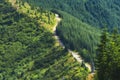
(77,35)
(96,13)
(74,29)
(108,58)
(92,12)
(27,50)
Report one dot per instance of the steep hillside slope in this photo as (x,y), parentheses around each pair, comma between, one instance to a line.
(75,33)
(93,12)
(81,19)
(27,46)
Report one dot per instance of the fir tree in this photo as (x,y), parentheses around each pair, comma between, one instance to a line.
(108,58)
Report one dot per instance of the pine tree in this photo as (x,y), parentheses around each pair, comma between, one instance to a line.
(101,56)
(108,58)
(115,56)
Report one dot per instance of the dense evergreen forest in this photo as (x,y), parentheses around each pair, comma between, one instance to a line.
(28,49)
(108,56)
(80,30)
(82,21)
(84,39)
(93,12)
(27,46)
(77,35)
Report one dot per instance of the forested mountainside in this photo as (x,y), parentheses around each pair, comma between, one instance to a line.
(93,12)
(85,38)
(27,46)
(108,56)
(85,16)
(29,50)
(80,30)
(77,35)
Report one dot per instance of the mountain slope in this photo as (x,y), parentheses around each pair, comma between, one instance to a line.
(95,13)
(74,32)
(77,35)
(75,13)
(27,46)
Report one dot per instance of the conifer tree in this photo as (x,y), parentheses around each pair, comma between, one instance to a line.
(101,55)
(108,58)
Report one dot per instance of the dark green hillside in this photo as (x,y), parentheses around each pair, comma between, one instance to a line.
(80,29)
(74,32)
(77,35)
(27,50)
(105,12)
(93,12)
(108,57)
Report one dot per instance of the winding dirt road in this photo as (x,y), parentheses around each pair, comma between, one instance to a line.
(74,54)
